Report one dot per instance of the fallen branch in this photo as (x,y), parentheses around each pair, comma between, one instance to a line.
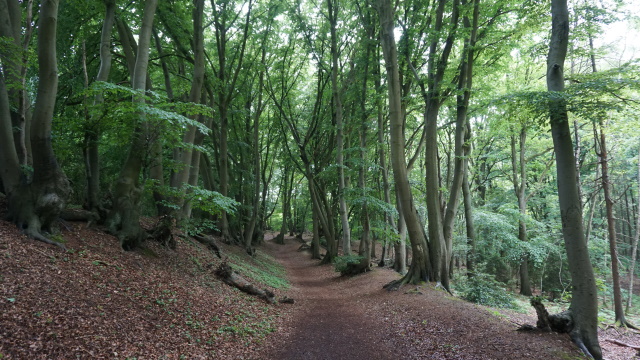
(230,277)
(618,342)
(208,241)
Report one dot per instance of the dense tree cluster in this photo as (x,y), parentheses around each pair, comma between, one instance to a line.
(420,125)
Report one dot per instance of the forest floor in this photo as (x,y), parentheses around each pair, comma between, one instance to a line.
(95,301)
(338,317)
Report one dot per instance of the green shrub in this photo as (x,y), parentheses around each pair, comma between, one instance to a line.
(341,263)
(485,290)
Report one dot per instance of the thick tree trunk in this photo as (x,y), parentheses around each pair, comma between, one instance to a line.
(123,219)
(420,265)
(36,205)
(584,302)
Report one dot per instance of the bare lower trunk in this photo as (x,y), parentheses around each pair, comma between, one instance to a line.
(634,245)
(611,227)
(584,302)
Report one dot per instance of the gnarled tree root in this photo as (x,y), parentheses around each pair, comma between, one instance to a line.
(561,323)
(38,236)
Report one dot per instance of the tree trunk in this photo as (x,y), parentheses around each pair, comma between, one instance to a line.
(519,174)
(468,217)
(611,227)
(183,155)
(35,205)
(634,245)
(337,104)
(420,265)
(584,302)
(123,219)
(92,135)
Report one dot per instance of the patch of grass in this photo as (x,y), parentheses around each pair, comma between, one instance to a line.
(263,268)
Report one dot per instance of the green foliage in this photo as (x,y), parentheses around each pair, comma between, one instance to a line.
(195,226)
(341,263)
(484,289)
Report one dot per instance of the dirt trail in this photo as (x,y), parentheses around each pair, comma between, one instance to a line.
(329,324)
(353,318)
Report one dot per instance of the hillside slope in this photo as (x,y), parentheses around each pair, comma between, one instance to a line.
(97,301)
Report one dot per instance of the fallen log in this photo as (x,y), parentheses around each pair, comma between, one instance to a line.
(230,277)
(208,241)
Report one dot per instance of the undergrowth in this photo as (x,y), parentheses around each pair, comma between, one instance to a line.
(261,268)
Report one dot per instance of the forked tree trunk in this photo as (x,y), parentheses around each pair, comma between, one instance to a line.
(584,302)
(123,219)
(420,269)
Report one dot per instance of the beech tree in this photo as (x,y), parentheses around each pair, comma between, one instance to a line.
(584,302)
(36,199)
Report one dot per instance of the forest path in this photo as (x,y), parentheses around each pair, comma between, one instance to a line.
(329,322)
(336,318)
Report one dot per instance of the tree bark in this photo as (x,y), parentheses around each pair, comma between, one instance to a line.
(519,175)
(634,245)
(123,219)
(35,205)
(611,228)
(584,302)
(337,104)
(185,154)
(420,269)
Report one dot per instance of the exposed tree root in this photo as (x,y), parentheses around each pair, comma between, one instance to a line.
(163,232)
(625,324)
(561,323)
(37,236)
(393,285)
(305,246)
(230,277)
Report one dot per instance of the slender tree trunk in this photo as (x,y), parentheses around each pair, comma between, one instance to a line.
(123,219)
(611,227)
(519,174)
(468,217)
(634,245)
(420,265)
(34,205)
(584,302)
(337,104)
(183,155)
(92,135)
